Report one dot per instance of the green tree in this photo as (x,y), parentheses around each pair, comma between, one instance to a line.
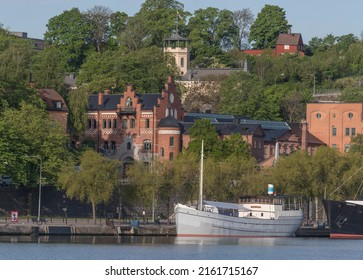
(161,18)
(70,33)
(48,69)
(269,23)
(204,130)
(356,144)
(94,181)
(235,146)
(28,131)
(78,106)
(211,31)
(241,94)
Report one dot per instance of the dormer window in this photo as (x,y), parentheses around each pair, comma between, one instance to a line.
(128,102)
(58,104)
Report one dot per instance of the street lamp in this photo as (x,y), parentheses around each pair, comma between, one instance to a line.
(313,75)
(40,184)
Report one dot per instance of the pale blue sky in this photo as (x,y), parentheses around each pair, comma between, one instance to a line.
(311,18)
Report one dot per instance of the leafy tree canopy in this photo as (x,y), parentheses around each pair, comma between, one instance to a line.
(269,23)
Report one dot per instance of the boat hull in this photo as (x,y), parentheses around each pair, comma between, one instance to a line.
(345,219)
(192,222)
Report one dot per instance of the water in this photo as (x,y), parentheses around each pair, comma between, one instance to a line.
(174,248)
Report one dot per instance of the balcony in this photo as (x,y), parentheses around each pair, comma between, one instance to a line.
(126,111)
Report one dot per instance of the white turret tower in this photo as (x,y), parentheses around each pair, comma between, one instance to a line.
(178,46)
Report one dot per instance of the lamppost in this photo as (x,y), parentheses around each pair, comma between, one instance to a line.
(313,75)
(40,184)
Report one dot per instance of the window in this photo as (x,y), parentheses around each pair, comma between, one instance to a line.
(147,123)
(109,123)
(182,62)
(286,47)
(128,146)
(318,115)
(334,131)
(105,145)
(89,124)
(147,144)
(171,156)
(128,102)
(350,115)
(124,123)
(132,123)
(171,141)
(58,105)
(104,124)
(114,123)
(162,152)
(353,131)
(334,146)
(347,131)
(94,124)
(113,145)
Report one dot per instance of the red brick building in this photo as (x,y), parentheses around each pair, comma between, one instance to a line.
(133,126)
(335,123)
(286,43)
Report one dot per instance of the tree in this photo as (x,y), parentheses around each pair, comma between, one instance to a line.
(29,131)
(211,32)
(70,33)
(240,94)
(78,106)
(99,18)
(204,130)
(48,69)
(269,23)
(243,19)
(161,18)
(235,146)
(356,144)
(94,181)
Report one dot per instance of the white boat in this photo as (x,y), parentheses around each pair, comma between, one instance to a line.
(252,216)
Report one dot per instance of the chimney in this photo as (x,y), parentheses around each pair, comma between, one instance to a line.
(289,29)
(100,98)
(304,135)
(107,91)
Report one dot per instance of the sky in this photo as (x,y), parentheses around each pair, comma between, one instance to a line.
(311,18)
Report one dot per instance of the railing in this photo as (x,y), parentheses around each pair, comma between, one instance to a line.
(126,111)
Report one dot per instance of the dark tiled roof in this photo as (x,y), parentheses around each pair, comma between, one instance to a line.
(110,101)
(292,39)
(214,118)
(168,121)
(176,37)
(50,97)
(271,135)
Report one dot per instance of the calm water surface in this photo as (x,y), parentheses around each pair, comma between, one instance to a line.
(174,248)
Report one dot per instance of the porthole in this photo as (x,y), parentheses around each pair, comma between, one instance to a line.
(350,115)
(318,115)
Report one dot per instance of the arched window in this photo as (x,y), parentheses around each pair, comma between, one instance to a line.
(132,123)
(162,152)
(167,112)
(182,62)
(128,146)
(128,102)
(124,123)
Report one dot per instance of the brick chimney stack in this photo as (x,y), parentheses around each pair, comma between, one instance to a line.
(304,135)
(100,98)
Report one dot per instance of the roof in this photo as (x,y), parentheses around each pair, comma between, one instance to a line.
(169,121)
(51,97)
(200,74)
(267,124)
(289,39)
(110,101)
(176,37)
(214,118)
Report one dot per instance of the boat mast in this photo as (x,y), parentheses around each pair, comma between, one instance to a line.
(201,178)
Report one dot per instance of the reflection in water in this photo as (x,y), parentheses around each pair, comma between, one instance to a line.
(264,241)
(88,239)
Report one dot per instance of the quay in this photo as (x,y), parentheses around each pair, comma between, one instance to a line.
(112,229)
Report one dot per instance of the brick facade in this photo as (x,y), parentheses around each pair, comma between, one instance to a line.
(335,123)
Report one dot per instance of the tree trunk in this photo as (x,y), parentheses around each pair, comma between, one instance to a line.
(93,212)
